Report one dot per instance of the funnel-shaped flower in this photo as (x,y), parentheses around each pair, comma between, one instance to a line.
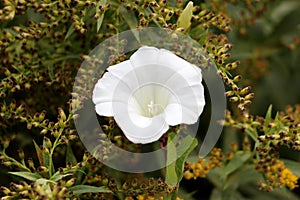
(150,91)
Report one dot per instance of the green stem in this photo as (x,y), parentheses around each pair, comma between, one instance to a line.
(15,162)
(55,144)
(171,196)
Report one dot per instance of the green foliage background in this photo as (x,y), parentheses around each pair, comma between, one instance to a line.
(43,43)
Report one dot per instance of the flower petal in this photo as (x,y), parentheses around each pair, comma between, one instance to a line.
(173,114)
(104,109)
(147,68)
(188,88)
(144,56)
(169,59)
(137,128)
(115,85)
(124,71)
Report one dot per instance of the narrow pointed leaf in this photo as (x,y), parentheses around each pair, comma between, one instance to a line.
(70,31)
(171,175)
(100,19)
(192,143)
(269,115)
(70,157)
(131,20)
(81,189)
(39,154)
(46,158)
(236,162)
(57,176)
(27,175)
(184,20)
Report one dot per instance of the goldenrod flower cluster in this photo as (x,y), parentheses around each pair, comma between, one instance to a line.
(277,175)
(146,197)
(203,167)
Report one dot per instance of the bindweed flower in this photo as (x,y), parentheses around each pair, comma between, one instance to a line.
(151,91)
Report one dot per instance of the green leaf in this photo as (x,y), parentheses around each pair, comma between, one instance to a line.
(100,19)
(184,19)
(252,133)
(171,175)
(174,171)
(70,157)
(39,154)
(131,20)
(43,181)
(229,136)
(51,71)
(70,31)
(75,170)
(242,176)
(236,162)
(216,195)
(27,175)
(184,194)
(283,9)
(268,115)
(268,119)
(191,143)
(80,189)
(46,158)
(57,176)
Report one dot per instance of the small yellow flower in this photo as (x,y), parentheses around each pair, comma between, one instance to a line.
(129,198)
(140,197)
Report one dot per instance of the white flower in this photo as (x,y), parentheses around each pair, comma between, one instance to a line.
(150,91)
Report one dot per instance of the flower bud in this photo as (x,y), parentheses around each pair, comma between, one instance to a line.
(169,15)
(237,78)
(17,187)
(62,192)
(105,181)
(12,105)
(47,142)
(45,150)
(245,90)
(255,123)
(73,137)
(125,186)
(229,93)
(234,99)
(30,163)
(62,114)
(262,138)
(134,182)
(42,169)
(44,131)
(27,86)
(70,182)
(249,96)
(20,108)
(4,190)
(64,140)
(7,163)
(55,133)
(203,12)
(21,154)
(7,72)
(6,142)
(41,116)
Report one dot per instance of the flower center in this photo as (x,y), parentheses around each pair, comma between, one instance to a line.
(150,100)
(154,109)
